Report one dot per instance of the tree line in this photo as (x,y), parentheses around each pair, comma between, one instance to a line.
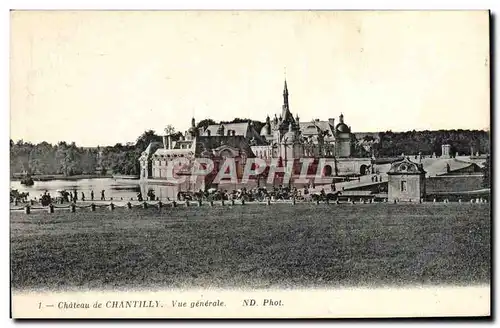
(429,142)
(68,159)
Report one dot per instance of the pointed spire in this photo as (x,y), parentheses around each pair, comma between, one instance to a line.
(285,109)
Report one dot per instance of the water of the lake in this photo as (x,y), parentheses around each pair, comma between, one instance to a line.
(116,188)
(112,188)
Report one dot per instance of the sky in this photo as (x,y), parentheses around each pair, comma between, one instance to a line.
(99,78)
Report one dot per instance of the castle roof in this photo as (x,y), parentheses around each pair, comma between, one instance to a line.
(439,166)
(307,128)
(240,129)
(202,146)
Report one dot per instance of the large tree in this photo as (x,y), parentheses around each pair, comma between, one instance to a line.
(205,123)
(146,138)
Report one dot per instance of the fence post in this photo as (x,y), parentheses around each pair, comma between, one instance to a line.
(111,206)
(92,207)
(27,209)
(144,205)
(129,205)
(72,207)
(160,204)
(174,204)
(211,203)
(187,203)
(51,208)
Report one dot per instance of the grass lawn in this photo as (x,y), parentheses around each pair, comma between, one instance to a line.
(256,246)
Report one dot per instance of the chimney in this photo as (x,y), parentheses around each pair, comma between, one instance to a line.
(331,121)
(169,142)
(165,142)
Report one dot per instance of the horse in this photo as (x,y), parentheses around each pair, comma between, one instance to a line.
(19,196)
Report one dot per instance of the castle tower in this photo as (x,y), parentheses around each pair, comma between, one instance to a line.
(343,142)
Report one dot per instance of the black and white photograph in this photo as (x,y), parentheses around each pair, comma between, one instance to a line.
(250,164)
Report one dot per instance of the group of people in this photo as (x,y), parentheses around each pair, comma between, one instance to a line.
(72,196)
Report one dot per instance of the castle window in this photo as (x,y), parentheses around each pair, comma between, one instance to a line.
(403,186)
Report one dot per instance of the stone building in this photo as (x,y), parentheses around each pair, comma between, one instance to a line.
(155,160)
(288,138)
(406,181)
(284,138)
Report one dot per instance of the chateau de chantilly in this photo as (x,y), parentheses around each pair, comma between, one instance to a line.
(282,137)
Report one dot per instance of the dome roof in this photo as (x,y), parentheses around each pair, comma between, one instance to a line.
(406,167)
(342,128)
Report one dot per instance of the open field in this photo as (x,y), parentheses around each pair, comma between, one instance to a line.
(256,246)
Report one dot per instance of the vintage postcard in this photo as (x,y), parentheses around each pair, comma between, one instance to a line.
(250,164)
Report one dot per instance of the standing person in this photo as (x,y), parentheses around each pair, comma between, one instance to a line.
(102,195)
(83,197)
(92,195)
